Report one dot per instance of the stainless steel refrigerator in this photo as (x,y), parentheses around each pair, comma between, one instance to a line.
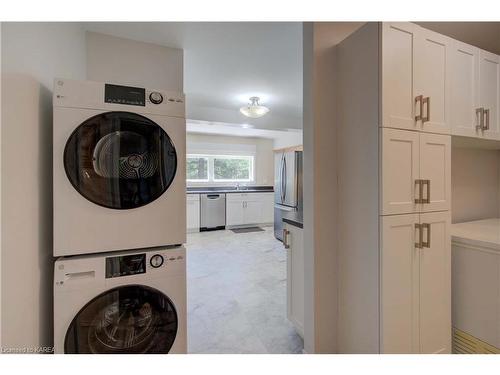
(287,187)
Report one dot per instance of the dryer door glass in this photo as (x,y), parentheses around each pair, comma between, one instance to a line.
(125,320)
(120,160)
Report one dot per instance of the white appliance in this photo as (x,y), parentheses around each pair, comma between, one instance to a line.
(124,302)
(119,168)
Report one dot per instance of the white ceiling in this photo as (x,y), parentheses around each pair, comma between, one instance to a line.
(226,63)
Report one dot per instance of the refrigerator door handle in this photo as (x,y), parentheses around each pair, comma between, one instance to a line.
(284,178)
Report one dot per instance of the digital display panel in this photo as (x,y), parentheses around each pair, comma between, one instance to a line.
(125,265)
(124,95)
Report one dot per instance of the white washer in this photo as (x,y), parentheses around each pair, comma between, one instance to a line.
(119,168)
(124,302)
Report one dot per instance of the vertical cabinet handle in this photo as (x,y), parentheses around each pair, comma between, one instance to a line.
(420,185)
(427,199)
(419,99)
(419,243)
(427,117)
(480,117)
(285,238)
(487,121)
(427,227)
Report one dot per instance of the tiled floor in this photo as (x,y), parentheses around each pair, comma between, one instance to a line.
(237,294)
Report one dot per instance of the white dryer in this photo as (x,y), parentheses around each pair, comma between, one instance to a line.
(121,303)
(119,167)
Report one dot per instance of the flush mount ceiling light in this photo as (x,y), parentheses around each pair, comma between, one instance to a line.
(254,109)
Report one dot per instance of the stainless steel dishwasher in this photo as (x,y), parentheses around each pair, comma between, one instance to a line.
(213,211)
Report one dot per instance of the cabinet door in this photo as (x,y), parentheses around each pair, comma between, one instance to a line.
(193,214)
(295,277)
(489,91)
(234,212)
(435,170)
(435,284)
(464,91)
(432,81)
(399,171)
(252,212)
(398,97)
(267,200)
(399,284)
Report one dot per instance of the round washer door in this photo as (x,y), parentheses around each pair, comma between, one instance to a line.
(125,320)
(120,160)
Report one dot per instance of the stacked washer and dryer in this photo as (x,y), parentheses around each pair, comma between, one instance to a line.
(119,219)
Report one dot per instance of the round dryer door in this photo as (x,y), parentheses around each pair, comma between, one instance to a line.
(120,160)
(125,320)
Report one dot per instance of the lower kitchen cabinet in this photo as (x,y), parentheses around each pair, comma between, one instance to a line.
(293,241)
(249,208)
(234,212)
(416,283)
(193,212)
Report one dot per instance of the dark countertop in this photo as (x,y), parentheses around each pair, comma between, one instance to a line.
(229,189)
(295,218)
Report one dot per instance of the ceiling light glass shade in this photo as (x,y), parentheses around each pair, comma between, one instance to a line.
(254,109)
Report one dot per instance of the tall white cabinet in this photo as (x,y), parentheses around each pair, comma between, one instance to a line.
(394,152)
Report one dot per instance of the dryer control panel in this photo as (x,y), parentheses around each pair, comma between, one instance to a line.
(124,95)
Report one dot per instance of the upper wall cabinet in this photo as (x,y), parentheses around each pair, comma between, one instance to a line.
(475,92)
(464,69)
(489,93)
(415,78)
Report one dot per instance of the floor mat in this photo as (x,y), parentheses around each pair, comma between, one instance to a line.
(247,230)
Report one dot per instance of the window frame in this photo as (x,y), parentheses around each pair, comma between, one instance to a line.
(198,156)
(211,168)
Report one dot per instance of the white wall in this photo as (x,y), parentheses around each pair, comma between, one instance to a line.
(112,59)
(264,156)
(289,139)
(33,54)
(475,184)
(320,192)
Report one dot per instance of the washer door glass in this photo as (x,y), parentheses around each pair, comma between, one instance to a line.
(120,160)
(125,320)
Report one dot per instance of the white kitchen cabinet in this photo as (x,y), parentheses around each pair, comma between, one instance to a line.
(432,81)
(293,241)
(249,209)
(398,75)
(416,283)
(400,170)
(193,212)
(435,284)
(399,284)
(464,97)
(489,93)
(252,211)
(415,78)
(234,212)
(475,92)
(435,171)
(394,183)
(415,172)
